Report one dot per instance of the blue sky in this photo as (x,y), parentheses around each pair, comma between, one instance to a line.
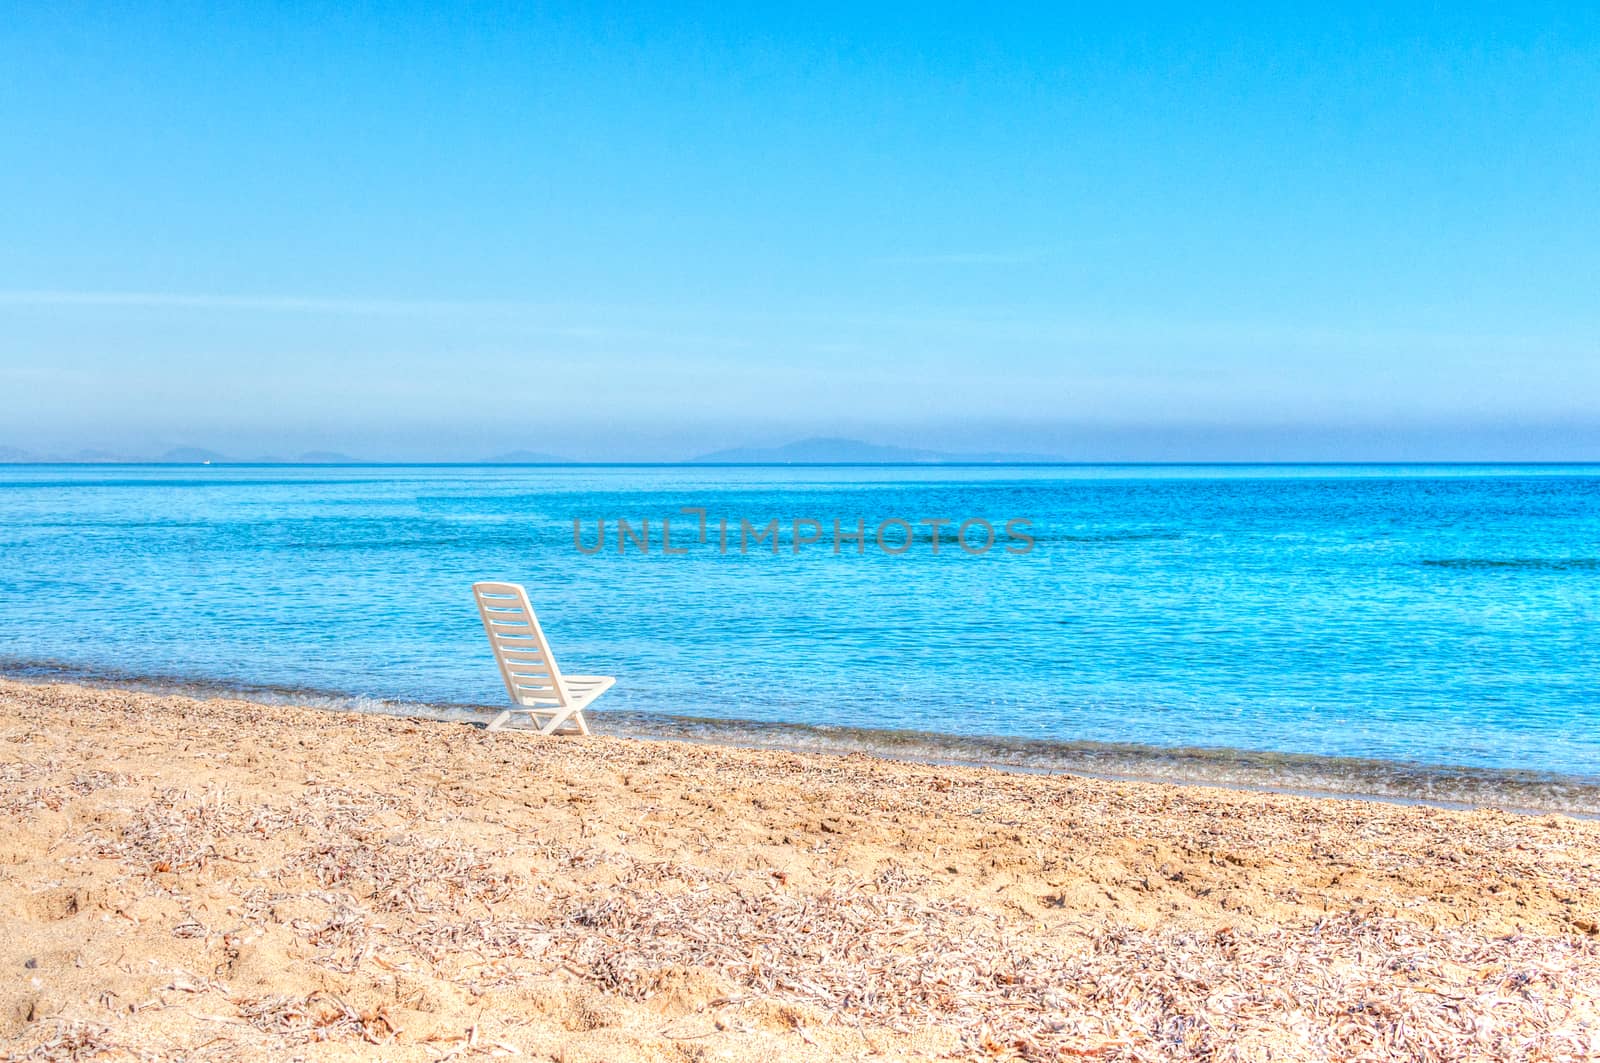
(452,231)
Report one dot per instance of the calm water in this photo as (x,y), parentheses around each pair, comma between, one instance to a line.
(1420,615)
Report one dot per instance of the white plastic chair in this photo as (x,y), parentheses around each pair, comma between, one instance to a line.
(552,701)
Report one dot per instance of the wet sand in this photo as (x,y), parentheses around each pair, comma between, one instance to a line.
(220,879)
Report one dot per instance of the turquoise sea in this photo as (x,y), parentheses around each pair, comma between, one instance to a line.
(1413,631)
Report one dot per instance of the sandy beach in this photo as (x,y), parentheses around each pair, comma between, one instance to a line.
(220,879)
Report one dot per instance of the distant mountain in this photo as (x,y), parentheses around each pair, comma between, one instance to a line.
(833,451)
(527,457)
(15,454)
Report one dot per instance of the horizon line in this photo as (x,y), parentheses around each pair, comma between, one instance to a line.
(576,463)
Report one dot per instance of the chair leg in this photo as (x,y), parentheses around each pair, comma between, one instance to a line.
(556,721)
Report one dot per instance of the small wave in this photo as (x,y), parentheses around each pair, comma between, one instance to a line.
(267,694)
(1529,564)
(1294,773)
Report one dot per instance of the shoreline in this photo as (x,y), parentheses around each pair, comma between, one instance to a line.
(247,880)
(1523,791)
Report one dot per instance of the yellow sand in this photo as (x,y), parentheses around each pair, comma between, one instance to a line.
(221,879)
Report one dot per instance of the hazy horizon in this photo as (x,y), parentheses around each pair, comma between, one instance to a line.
(451,233)
(1136,447)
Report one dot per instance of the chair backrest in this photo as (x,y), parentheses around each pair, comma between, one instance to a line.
(531,675)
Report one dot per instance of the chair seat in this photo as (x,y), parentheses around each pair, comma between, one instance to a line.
(581,689)
(585,688)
